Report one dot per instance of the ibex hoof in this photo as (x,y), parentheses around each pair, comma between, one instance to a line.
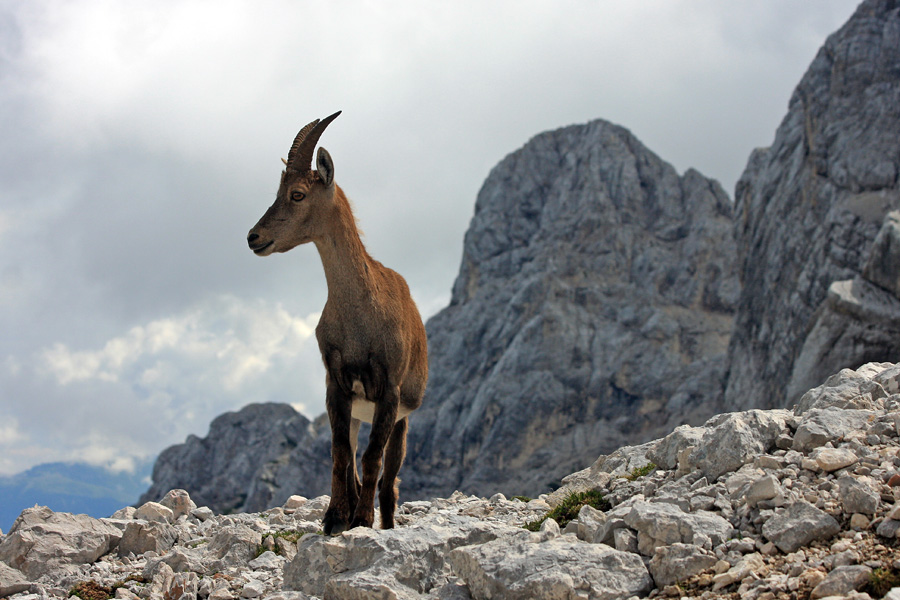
(334,525)
(359,521)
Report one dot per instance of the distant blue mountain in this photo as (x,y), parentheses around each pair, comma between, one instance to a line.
(71,487)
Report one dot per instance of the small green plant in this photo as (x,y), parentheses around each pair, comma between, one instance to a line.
(639,472)
(91,590)
(521,498)
(567,510)
(881,581)
(290,535)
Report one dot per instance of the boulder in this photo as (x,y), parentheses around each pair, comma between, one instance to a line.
(678,562)
(661,524)
(857,497)
(179,502)
(561,567)
(233,546)
(819,426)
(154,512)
(42,541)
(12,581)
(842,581)
(400,563)
(764,488)
(832,459)
(799,524)
(145,536)
(845,389)
(733,439)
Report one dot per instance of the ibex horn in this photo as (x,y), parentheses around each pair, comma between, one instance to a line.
(301,153)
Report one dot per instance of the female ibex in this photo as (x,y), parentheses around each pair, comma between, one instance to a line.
(370,334)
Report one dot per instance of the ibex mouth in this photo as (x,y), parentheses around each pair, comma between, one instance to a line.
(260,251)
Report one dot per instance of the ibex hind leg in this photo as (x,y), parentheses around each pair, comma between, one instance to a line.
(383,424)
(353,482)
(393,459)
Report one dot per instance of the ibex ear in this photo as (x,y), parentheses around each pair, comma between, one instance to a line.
(325,166)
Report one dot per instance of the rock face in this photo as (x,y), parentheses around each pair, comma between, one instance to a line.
(251,460)
(592,308)
(817,245)
(773,524)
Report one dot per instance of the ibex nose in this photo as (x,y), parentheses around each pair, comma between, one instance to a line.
(252,238)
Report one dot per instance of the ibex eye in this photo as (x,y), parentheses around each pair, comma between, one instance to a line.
(297,196)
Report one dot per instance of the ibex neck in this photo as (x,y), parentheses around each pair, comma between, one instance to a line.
(344,256)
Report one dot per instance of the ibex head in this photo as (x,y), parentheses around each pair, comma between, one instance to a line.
(304,199)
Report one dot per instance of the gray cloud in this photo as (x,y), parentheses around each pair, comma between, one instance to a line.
(141,142)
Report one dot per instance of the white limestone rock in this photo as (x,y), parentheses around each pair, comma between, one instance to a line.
(143,536)
(733,439)
(408,561)
(678,562)
(662,524)
(559,568)
(41,542)
(179,502)
(234,546)
(818,426)
(800,524)
(842,581)
(12,581)
(832,459)
(857,497)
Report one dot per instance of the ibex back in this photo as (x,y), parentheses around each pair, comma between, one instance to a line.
(370,334)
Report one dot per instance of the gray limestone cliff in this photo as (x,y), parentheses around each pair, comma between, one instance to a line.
(592,309)
(819,292)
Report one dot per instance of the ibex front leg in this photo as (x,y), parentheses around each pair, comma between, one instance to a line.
(393,458)
(382,426)
(338,403)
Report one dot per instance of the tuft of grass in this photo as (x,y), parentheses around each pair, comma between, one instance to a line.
(881,581)
(639,472)
(567,510)
(521,498)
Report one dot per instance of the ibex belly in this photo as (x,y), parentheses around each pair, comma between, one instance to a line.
(364,409)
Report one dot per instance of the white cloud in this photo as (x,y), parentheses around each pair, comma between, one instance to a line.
(152,385)
(228,341)
(10,433)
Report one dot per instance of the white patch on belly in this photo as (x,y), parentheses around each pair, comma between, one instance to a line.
(364,409)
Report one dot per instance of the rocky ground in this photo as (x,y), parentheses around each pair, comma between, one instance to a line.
(761,504)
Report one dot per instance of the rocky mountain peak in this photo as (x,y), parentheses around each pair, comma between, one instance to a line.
(593,306)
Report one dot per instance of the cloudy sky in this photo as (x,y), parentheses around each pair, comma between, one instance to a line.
(141,140)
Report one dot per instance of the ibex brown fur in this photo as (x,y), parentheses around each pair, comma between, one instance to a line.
(370,334)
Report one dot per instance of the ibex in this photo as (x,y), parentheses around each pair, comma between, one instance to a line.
(370,333)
